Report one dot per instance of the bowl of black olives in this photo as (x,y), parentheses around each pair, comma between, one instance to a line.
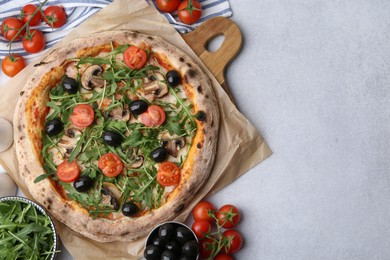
(171,241)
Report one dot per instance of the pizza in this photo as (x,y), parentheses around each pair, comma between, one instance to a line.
(115,133)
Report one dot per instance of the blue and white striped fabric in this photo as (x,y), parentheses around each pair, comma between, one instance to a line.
(210,8)
(79,10)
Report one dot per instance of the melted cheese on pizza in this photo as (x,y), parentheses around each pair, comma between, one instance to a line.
(108,87)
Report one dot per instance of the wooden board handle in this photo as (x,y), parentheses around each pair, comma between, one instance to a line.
(216,61)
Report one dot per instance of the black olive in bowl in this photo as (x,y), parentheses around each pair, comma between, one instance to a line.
(174,240)
(152,252)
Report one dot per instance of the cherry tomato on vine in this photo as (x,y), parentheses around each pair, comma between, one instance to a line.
(167,6)
(68,172)
(12,64)
(223,257)
(201,228)
(206,247)
(200,211)
(34,41)
(27,14)
(189,11)
(82,115)
(110,164)
(10,28)
(168,174)
(134,57)
(54,16)
(228,216)
(153,117)
(235,242)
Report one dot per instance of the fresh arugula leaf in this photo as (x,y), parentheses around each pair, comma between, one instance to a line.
(42,177)
(79,145)
(93,60)
(56,110)
(140,184)
(174,127)
(133,139)
(119,49)
(25,233)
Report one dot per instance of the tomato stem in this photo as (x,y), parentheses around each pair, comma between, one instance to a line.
(26,24)
(219,241)
(191,7)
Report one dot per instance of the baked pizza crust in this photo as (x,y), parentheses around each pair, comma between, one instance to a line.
(30,116)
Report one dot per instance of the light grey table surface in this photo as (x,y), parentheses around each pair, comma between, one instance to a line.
(313,77)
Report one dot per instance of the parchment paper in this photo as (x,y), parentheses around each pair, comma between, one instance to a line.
(240,146)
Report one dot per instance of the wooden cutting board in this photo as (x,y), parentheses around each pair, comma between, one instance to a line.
(216,61)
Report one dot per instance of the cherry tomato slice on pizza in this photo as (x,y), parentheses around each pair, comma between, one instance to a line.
(168,174)
(68,172)
(110,164)
(82,116)
(153,117)
(134,57)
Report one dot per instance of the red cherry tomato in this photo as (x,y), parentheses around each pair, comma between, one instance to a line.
(200,211)
(110,164)
(10,27)
(189,11)
(54,16)
(82,115)
(167,6)
(12,64)
(27,14)
(201,228)
(134,57)
(235,242)
(68,172)
(206,247)
(153,117)
(224,257)
(168,174)
(228,216)
(34,41)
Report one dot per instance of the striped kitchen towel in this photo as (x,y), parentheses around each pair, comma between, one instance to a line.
(79,10)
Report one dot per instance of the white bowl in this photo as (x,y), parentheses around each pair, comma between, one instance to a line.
(6,134)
